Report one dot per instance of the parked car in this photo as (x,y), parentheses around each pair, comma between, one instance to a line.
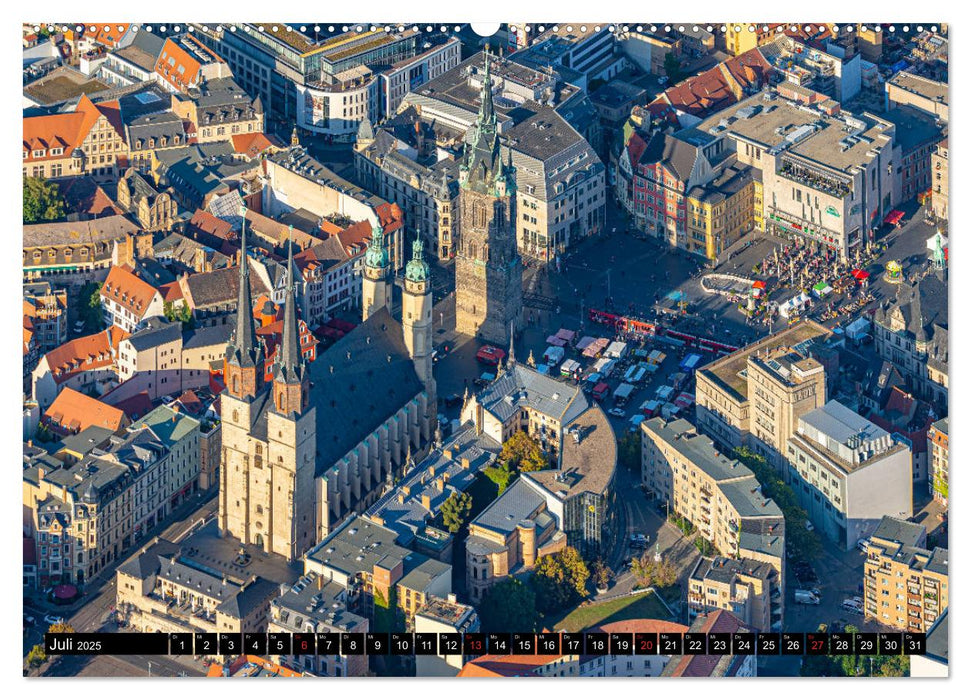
(806,597)
(809,526)
(862,543)
(53,619)
(617,412)
(852,605)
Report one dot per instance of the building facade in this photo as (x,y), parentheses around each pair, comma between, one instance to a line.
(719,496)
(905,584)
(937,468)
(754,396)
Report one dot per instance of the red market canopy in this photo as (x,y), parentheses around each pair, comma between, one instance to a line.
(65,591)
(758,284)
(860,274)
(894,217)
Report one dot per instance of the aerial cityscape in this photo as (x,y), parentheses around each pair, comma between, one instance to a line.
(400,350)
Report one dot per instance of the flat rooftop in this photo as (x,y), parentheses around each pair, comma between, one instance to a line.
(62,84)
(773,122)
(727,371)
(919,85)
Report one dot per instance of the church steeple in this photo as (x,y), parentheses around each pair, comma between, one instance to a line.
(482,168)
(288,370)
(289,362)
(375,286)
(244,353)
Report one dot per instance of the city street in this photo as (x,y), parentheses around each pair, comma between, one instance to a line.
(94,611)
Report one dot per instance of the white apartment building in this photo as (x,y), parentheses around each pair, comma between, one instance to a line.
(848,473)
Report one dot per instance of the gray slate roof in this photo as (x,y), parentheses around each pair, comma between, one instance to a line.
(156,332)
(523,386)
(373,377)
(515,504)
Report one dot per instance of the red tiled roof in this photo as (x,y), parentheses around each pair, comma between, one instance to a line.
(358,234)
(124,287)
(83,354)
(204,222)
(65,130)
(251,145)
(714,89)
(180,68)
(134,406)
(190,402)
(72,412)
(107,34)
(171,292)
(704,666)
(85,196)
(635,148)
(494,666)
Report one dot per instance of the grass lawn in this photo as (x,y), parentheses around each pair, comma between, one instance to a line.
(635,607)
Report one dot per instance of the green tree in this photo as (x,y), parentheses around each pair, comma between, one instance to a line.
(89,307)
(180,313)
(672,66)
(509,605)
(44,434)
(560,580)
(60,627)
(42,201)
(629,450)
(455,510)
(650,572)
(387,616)
(501,476)
(805,543)
(36,656)
(601,574)
(521,453)
(704,546)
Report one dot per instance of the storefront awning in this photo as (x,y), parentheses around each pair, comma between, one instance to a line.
(894,217)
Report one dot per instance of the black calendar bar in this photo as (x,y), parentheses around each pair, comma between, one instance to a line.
(478,644)
(97,644)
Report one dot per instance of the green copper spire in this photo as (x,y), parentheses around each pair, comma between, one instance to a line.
(417,269)
(482,164)
(377,254)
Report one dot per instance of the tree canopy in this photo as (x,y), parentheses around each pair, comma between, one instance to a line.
(42,201)
(509,605)
(521,453)
(455,510)
(649,572)
(89,307)
(804,543)
(560,579)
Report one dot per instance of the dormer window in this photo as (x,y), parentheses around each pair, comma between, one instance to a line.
(151,143)
(39,153)
(57,151)
(138,144)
